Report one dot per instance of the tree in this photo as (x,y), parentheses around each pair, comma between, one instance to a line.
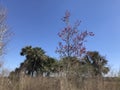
(97,62)
(35,59)
(4,31)
(4,36)
(72,44)
(51,65)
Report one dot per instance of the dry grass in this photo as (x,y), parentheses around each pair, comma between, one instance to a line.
(45,83)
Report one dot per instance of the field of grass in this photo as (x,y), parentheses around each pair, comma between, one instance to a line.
(61,83)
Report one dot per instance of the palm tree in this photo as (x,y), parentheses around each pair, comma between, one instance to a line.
(35,59)
(97,62)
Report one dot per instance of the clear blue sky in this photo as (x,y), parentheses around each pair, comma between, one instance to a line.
(37,22)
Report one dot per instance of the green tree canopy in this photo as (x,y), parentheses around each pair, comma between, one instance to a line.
(35,59)
(97,62)
(36,62)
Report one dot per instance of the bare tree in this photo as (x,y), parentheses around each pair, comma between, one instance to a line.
(4,37)
(4,31)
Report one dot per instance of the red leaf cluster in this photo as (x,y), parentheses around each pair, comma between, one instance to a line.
(72,41)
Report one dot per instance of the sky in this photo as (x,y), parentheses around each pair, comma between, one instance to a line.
(37,22)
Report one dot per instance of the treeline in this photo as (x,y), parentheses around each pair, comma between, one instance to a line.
(37,63)
(74,58)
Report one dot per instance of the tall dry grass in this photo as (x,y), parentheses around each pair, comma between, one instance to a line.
(28,83)
(58,83)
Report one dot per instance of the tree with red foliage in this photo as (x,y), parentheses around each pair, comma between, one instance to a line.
(72,44)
